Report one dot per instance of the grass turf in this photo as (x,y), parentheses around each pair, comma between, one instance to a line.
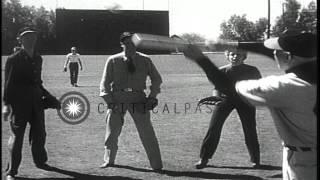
(77,150)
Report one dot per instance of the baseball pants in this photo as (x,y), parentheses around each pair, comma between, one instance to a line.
(220,113)
(299,165)
(132,102)
(37,138)
(74,71)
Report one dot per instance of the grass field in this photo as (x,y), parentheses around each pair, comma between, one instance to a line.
(77,150)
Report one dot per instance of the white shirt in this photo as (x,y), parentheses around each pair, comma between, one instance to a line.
(72,58)
(291,101)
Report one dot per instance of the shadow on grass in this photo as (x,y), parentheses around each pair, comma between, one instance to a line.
(262,167)
(194,174)
(276,176)
(84,86)
(78,176)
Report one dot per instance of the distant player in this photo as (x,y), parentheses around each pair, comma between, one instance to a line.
(73,60)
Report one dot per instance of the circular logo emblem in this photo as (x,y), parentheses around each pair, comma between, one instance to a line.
(75,107)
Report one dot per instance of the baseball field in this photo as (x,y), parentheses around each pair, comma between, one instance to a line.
(76,151)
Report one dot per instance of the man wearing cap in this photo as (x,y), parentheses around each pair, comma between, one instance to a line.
(122,87)
(73,61)
(23,100)
(237,70)
(291,98)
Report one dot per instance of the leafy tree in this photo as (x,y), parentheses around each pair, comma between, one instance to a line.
(16,16)
(193,37)
(288,19)
(241,29)
(261,26)
(307,19)
(52,24)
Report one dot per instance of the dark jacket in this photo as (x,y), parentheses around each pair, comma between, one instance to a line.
(23,88)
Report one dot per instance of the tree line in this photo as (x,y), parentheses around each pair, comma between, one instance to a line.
(237,27)
(15,16)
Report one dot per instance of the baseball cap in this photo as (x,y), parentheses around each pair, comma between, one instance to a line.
(73,48)
(302,44)
(125,35)
(25,30)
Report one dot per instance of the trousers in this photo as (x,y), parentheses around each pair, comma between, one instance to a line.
(220,113)
(37,138)
(74,71)
(133,103)
(297,165)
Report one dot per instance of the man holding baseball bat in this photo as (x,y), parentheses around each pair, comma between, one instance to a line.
(122,87)
(291,98)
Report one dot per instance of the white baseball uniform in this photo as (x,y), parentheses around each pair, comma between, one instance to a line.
(72,58)
(73,61)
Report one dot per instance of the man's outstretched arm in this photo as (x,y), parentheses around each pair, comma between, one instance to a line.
(219,79)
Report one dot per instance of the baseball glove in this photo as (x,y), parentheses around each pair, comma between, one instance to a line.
(64,69)
(211,100)
(151,103)
(51,102)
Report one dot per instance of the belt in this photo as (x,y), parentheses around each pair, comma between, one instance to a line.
(301,149)
(129,90)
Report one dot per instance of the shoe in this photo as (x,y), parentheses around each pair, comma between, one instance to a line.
(256,165)
(201,164)
(44,166)
(106,164)
(76,85)
(10,177)
(158,170)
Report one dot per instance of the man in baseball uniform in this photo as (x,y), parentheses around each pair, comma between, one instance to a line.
(122,87)
(73,61)
(236,70)
(291,98)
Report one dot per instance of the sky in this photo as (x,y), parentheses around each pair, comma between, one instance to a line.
(185,16)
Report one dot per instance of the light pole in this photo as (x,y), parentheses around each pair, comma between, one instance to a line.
(142,4)
(268,30)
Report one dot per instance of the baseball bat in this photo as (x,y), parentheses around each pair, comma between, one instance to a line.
(165,43)
(158,42)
